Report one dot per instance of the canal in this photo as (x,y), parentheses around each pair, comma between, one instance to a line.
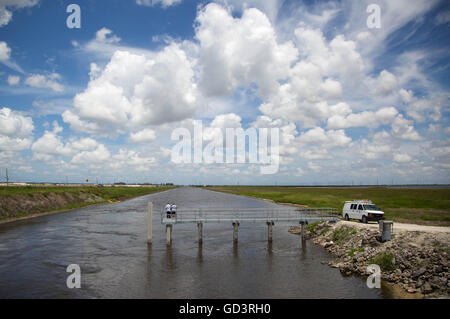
(109,243)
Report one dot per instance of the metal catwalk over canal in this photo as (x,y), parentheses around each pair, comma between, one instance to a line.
(236,216)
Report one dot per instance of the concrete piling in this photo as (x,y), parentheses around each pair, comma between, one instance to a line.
(269,231)
(235,231)
(169,234)
(303,230)
(200,232)
(149,226)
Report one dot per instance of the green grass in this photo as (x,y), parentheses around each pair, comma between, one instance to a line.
(105,194)
(384,260)
(312,227)
(352,252)
(424,206)
(343,233)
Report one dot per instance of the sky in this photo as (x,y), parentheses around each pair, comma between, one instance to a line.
(356,99)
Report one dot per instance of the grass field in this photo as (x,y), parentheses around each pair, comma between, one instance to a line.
(107,193)
(421,206)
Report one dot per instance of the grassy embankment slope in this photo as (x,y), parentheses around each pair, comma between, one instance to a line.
(420,206)
(17,202)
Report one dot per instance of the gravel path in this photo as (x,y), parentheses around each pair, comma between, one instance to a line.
(402,227)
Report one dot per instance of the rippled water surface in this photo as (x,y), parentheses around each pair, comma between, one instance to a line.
(109,242)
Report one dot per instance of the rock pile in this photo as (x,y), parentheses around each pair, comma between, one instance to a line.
(418,262)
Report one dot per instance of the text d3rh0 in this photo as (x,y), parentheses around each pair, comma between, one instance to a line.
(227,308)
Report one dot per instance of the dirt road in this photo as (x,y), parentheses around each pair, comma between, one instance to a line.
(401,227)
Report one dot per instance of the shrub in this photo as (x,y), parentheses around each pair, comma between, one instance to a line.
(384,260)
(343,233)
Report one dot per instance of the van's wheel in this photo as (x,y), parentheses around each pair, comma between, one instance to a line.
(364,219)
(346,217)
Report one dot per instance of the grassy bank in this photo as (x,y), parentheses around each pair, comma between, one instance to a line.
(421,206)
(18,202)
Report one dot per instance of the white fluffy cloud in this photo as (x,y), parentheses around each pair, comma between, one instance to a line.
(404,129)
(5,51)
(230,120)
(13,79)
(332,138)
(315,82)
(45,81)
(99,155)
(106,35)
(402,158)
(240,51)
(144,136)
(136,90)
(386,83)
(51,144)
(15,130)
(371,119)
(129,158)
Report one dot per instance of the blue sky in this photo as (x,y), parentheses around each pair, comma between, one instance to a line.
(353,104)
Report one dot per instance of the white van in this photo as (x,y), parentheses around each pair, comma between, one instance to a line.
(363,210)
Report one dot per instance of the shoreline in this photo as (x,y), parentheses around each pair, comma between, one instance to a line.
(414,264)
(53,212)
(65,210)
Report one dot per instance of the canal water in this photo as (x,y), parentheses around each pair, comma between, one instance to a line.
(109,243)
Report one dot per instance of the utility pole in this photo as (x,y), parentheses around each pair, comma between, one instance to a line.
(7,177)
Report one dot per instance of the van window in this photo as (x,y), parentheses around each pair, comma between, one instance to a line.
(360,207)
(371,207)
(353,206)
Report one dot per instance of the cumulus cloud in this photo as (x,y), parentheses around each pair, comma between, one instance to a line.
(386,83)
(230,120)
(105,35)
(402,158)
(371,119)
(240,51)
(15,130)
(133,91)
(5,51)
(51,144)
(315,81)
(339,57)
(332,138)
(99,155)
(144,136)
(404,129)
(45,81)
(130,158)
(13,79)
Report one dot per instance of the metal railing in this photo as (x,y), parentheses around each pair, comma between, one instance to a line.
(255,215)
